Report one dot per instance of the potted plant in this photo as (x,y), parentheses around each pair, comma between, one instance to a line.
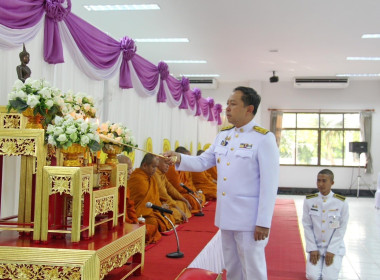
(37,100)
(73,137)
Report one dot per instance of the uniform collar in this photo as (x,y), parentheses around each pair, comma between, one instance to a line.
(247,127)
(326,196)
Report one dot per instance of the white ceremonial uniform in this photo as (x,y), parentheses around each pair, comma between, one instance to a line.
(325,221)
(247,161)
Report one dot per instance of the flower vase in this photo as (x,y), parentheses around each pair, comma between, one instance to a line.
(71,154)
(112,151)
(34,121)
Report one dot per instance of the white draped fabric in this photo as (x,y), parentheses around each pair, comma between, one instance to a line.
(136,108)
(211,257)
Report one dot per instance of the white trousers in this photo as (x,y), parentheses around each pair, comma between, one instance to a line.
(244,258)
(322,271)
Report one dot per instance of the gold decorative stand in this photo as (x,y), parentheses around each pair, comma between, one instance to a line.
(60,205)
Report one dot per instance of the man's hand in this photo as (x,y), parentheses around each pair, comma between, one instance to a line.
(172,157)
(314,257)
(329,258)
(261,233)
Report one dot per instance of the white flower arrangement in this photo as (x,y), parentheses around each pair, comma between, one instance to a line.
(37,95)
(67,131)
(119,133)
(79,105)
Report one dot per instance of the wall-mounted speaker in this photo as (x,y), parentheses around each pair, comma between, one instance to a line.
(358,147)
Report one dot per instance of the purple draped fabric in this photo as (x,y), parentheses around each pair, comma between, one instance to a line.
(102,51)
(21,14)
(163,69)
(217,111)
(146,71)
(197,95)
(185,84)
(175,87)
(128,47)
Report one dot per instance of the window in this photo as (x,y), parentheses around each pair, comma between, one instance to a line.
(317,139)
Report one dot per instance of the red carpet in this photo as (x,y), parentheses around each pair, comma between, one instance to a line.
(285,256)
(284,252)
(193,237)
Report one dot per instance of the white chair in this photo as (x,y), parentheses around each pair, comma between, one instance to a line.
(377,195)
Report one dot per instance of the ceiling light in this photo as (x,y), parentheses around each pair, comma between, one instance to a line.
(358,75)
(185,61)
(274,78)
(370,36)
(363,58)
(97,8)
(200,75)
(162,40)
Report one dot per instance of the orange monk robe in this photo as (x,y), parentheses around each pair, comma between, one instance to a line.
(187,178)
(203,181)
(170,196)
(145,189)
(213,172)
(174,179)
(152,235)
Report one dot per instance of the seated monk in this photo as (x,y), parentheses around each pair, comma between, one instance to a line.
(144,188)
(152,235)
(203,181)
(176,177)
(169,195)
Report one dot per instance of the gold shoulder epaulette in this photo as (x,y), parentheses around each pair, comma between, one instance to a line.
(260,129)
(227,128)
(340,197)
(311,195)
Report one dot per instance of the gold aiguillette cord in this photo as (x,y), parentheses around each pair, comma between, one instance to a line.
(173,158)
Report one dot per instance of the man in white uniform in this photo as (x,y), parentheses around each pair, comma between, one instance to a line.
(325,218)
(247,161)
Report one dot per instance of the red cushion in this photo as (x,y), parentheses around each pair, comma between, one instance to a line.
(197,274)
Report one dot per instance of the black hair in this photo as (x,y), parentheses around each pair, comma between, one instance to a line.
(249,97)
(181,150)
(327,172)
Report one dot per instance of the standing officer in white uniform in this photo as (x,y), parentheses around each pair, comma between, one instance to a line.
(247,161)
(325,218)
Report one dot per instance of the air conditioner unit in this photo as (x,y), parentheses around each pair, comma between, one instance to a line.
(321,82)
(203,83)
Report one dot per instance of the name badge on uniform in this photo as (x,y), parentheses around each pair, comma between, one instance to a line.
(245,146)
(334,223)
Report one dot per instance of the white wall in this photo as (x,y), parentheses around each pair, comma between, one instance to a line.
(359,95)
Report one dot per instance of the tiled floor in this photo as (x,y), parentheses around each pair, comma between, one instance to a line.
(362,239)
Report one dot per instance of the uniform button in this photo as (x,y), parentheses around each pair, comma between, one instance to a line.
(323,231)
(232,149)
(218,160)
(228,164)
(324,201)
(225,178)
(223,193)
(237,135)
(323,240)
(324,211)
(323,221)
(241,130)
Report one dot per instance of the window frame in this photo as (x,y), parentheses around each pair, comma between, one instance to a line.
(319,133)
